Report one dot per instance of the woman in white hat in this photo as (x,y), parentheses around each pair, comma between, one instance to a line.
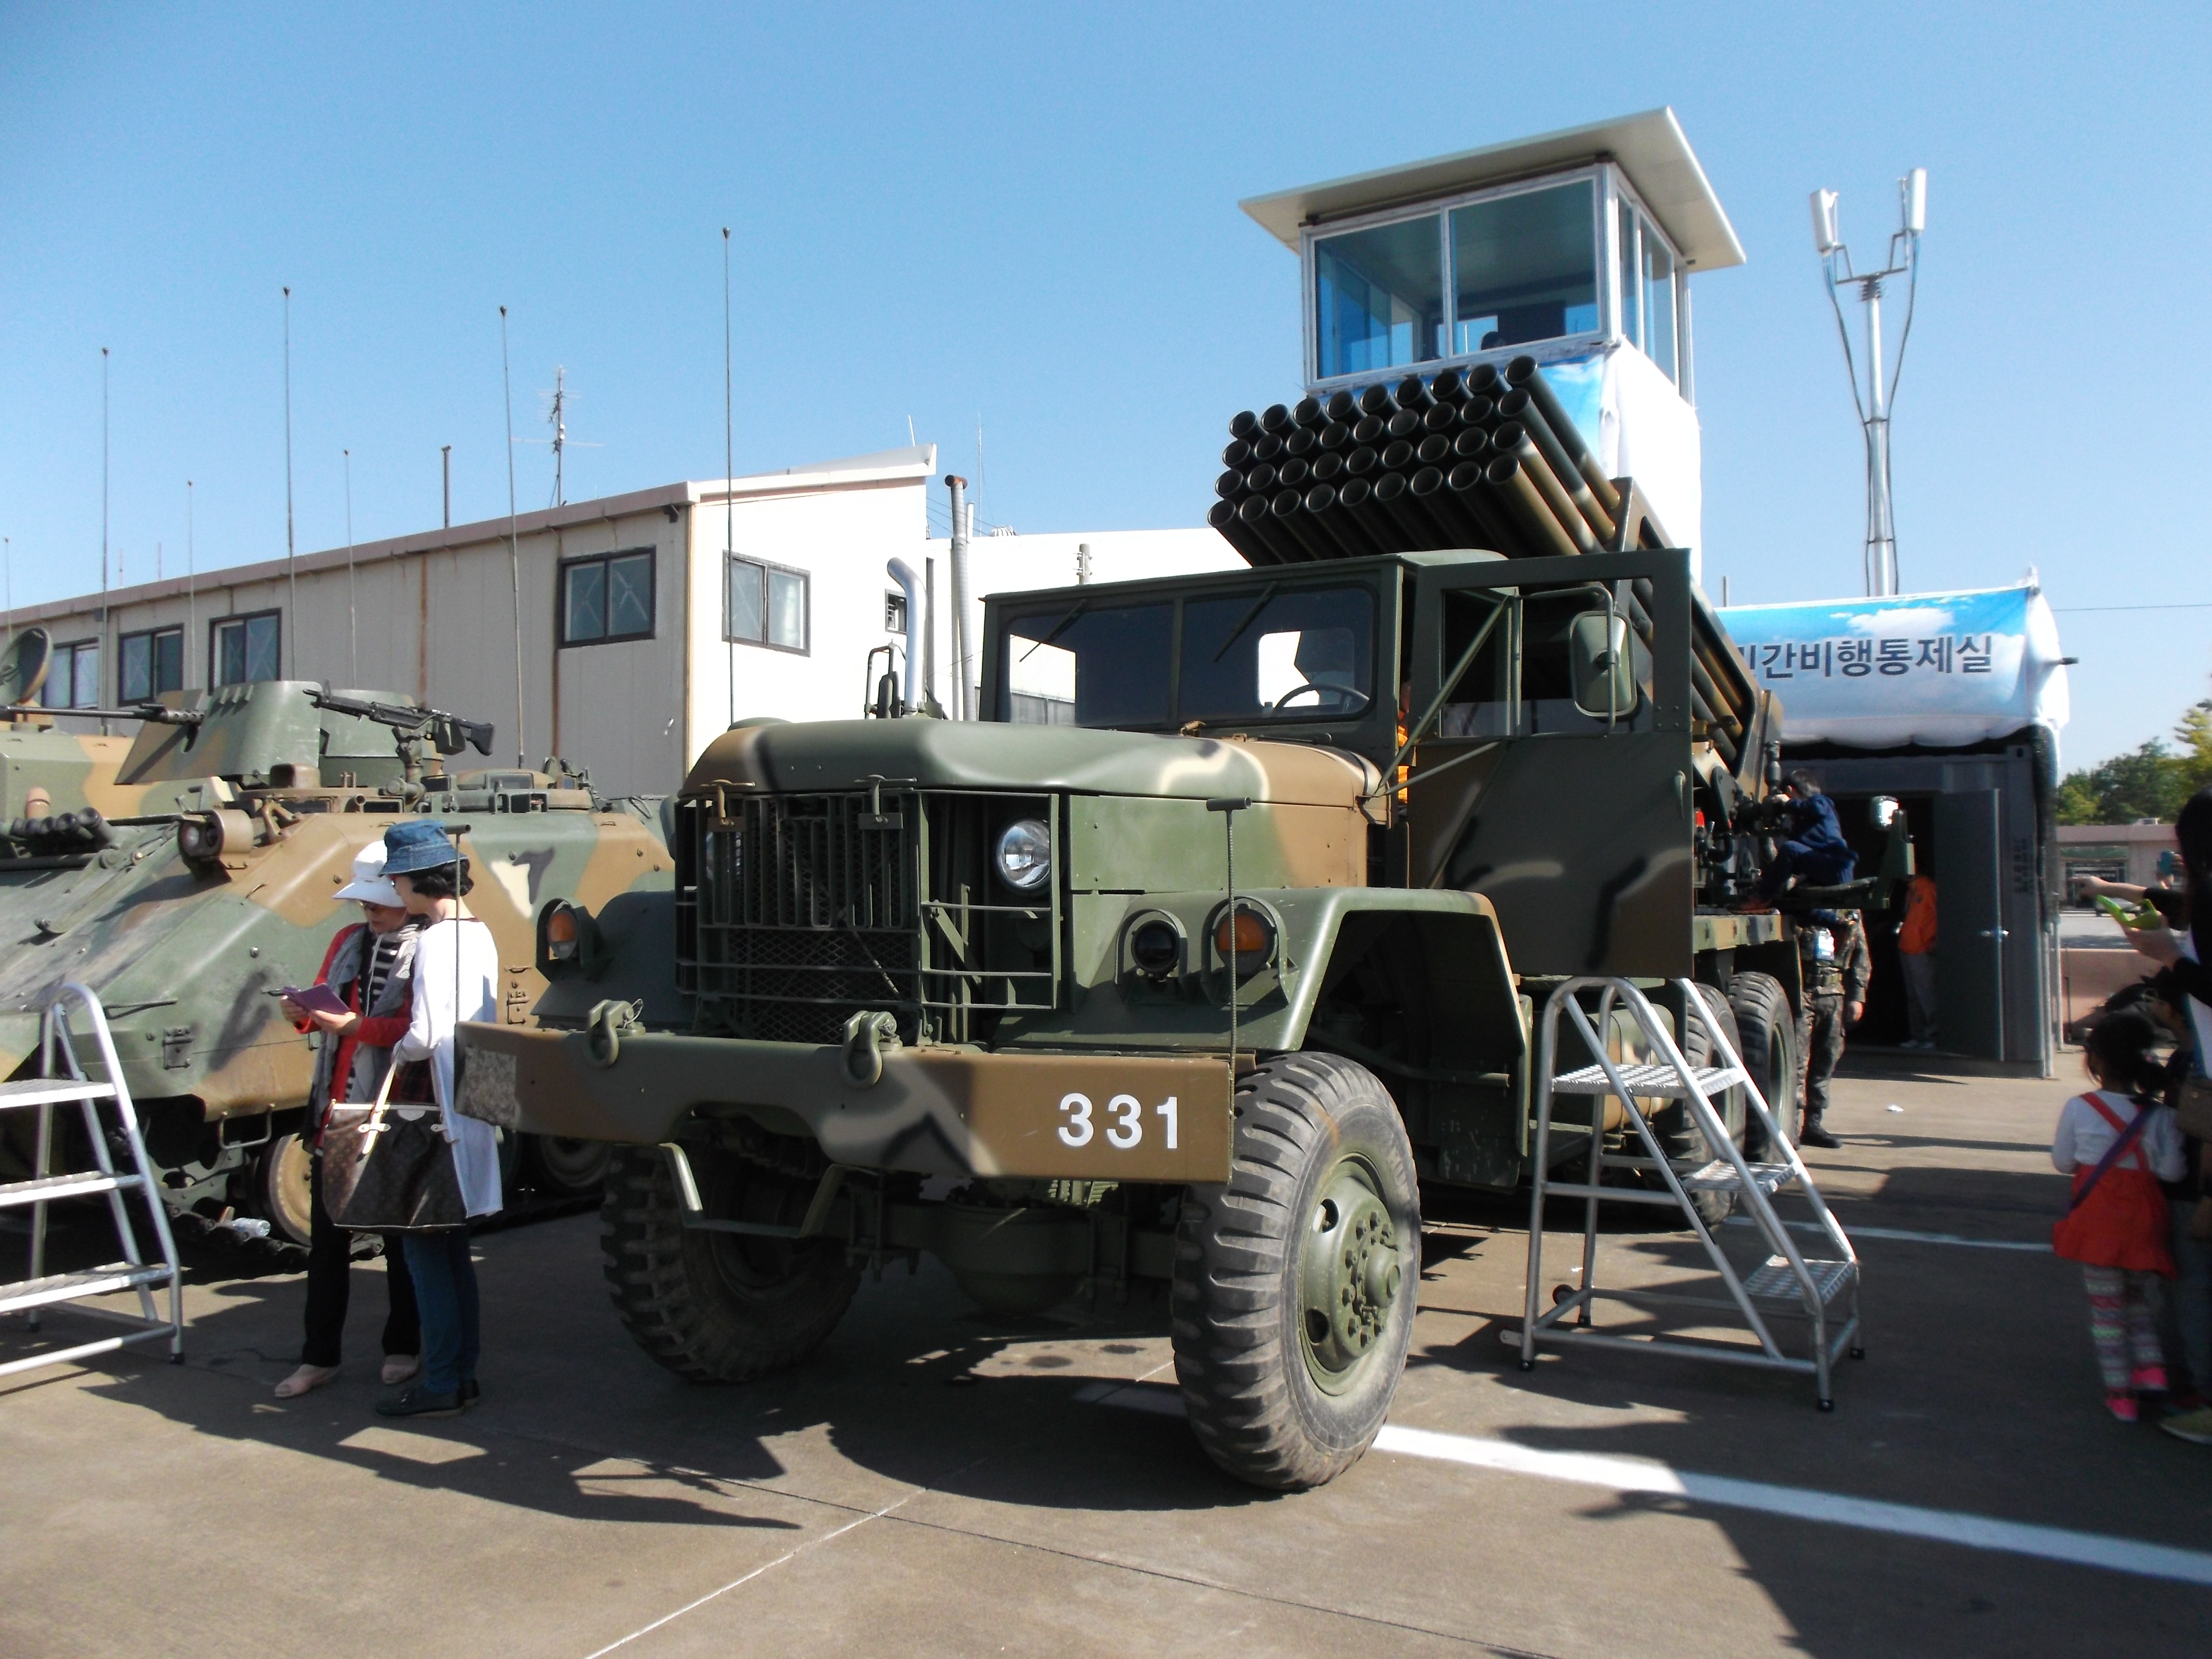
(371,965)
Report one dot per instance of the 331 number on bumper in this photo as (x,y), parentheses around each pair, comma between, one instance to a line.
(1122,1122)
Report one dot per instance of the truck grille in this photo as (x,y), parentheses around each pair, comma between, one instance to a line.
(795,911)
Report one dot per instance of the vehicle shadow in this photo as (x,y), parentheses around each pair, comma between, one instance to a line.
(913,1390)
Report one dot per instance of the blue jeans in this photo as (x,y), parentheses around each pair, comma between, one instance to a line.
(1821,864)
(446,1292)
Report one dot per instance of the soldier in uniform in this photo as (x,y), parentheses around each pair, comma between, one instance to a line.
(1831,951)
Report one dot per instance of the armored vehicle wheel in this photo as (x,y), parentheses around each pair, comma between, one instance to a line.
(1676,1126)
(281,1175)
(558,1167)
(714,1306)
(1295,1282)
(1769,1046)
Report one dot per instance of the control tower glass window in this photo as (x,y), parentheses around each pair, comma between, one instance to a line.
(1524,268)
(1378,298)
(1650,306)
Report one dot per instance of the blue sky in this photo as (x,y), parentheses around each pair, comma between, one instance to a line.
(1026,216)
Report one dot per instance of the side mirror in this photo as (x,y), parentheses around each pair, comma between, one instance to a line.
(1881,810)
(1600,664)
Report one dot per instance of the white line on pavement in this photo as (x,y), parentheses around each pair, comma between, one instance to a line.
(1630,1475)
(765,1566)
(1905,1236)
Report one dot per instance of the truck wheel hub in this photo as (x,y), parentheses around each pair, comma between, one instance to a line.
(1349,1274)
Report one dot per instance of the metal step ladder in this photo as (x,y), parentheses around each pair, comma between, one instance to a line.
(1822,1289)
(63,1082)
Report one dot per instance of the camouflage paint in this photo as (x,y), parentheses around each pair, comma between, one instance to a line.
(186,956)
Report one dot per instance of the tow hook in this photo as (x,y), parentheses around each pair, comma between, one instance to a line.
(867,1034)
(604,1027)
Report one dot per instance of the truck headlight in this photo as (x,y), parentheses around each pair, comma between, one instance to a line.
(1024,854)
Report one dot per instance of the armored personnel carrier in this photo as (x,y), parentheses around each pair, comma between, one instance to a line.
(1192,965)
(189,913)
(45,773)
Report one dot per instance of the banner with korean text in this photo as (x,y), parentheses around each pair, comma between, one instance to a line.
(1939,669)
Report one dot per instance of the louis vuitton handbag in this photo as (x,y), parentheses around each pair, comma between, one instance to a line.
(389,1169)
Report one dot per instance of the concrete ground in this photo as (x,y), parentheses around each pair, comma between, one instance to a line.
(933,1482)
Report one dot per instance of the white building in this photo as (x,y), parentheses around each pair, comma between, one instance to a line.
(649,621)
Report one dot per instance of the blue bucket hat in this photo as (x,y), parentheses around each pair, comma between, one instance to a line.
(418,844)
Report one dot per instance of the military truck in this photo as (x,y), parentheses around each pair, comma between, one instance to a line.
(1190,965)
(188,915)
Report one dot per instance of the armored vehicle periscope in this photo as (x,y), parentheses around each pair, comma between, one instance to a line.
(187,915)
(1191,965)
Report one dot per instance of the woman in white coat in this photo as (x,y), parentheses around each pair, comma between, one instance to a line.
(455,979)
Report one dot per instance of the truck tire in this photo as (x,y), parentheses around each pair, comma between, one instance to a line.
(281,1173)
(557,1167)
(1676,1126)
(1295,1282)
(713,1306)
(1769,1048)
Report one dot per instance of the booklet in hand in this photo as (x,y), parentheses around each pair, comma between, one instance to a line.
(316,999)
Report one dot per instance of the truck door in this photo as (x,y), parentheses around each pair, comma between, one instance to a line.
(1553,784)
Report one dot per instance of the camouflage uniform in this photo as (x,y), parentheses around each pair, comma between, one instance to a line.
(1831,982)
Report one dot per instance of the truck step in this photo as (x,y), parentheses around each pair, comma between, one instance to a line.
(1720,1176)
(1776,1281)
(51,1090)
(14,1194)
(1651,1082)
(88,1281)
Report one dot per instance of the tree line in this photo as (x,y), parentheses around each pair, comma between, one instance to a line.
(2149,782)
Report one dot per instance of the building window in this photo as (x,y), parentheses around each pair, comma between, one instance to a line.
(1496,270)
(153,662)
(765,604)
(1379,299)
(607,598)
(243,649)
(1650,298)
(1524,268)
(73,675)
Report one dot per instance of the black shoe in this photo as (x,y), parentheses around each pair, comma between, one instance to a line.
(422,1402)
(470,1393)
(1814,1135)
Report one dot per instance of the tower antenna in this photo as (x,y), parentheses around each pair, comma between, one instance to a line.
(1875,405)
(513,550)
(729,466)
(291,568)
(353,626)
(192,609)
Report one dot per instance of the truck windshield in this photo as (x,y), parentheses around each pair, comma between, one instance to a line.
(1260,653)
(1080,666)
(1267,651)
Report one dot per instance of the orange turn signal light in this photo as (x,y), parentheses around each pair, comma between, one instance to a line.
(1246,935)
(560,934)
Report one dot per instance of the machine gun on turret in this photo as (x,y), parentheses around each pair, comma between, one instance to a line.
(447,733)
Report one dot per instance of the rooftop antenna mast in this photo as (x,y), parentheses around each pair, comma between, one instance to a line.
(556,416)
(1875,402)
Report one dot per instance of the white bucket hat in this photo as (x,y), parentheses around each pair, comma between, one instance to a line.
(369,883)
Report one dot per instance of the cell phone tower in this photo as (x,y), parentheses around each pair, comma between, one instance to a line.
(1878,398)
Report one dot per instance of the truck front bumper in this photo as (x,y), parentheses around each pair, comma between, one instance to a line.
(935,1110)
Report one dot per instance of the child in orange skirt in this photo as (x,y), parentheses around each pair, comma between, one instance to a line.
(2118,1142)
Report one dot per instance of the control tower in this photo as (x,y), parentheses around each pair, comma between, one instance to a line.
(1573,247)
